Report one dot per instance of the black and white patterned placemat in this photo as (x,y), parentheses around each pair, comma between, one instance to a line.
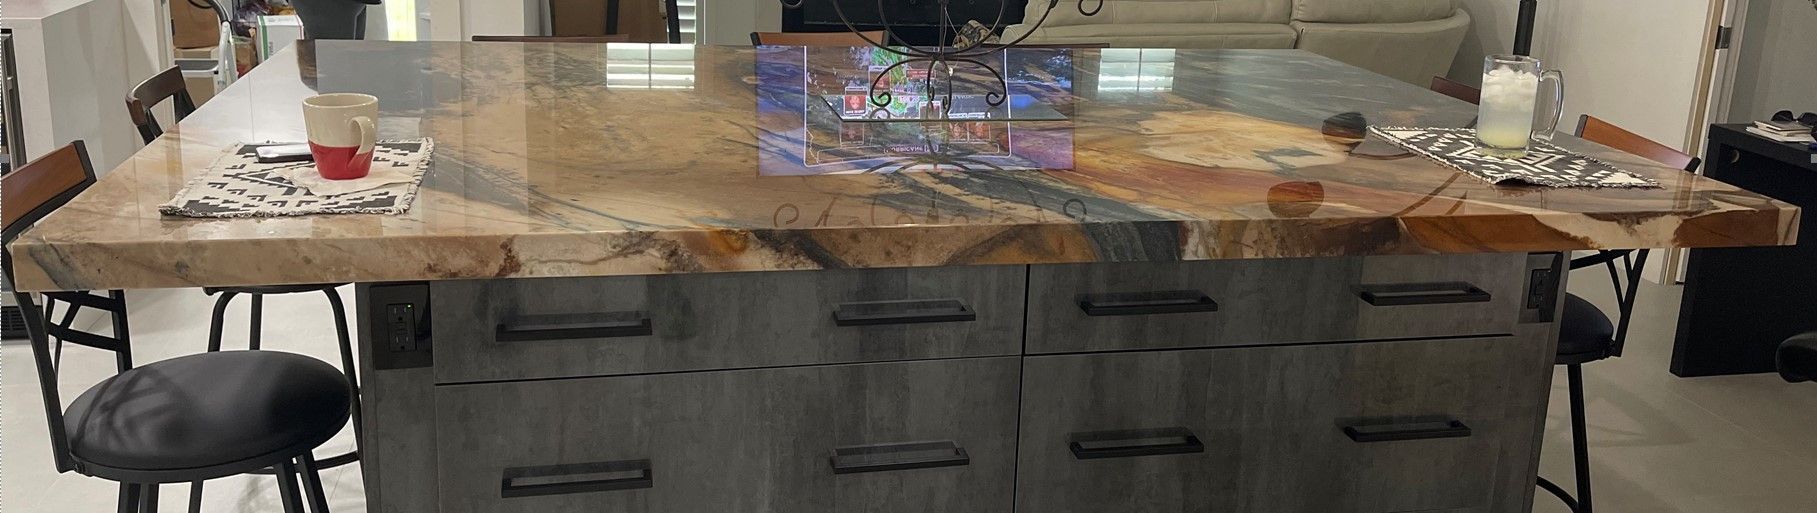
(238,185)
(1545,164)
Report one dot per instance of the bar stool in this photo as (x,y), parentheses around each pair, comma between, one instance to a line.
(169,86)
(1585,333)
(1798,358)
(183,420)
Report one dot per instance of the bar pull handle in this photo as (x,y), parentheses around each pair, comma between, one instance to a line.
(1147,303)
(576,478)
(1404,294)
(527,328)
(1407,431)
(913,311)
(1134,443)
(898,456)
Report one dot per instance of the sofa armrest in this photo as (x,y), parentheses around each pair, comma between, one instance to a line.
(1412,52)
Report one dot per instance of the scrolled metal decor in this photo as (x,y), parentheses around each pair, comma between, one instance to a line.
(943,57)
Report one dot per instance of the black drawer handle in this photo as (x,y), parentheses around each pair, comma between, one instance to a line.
(526,328)
(1132,443)
(913,311)
(1407,431)
(1147,303)
(899,456)
(1423,294)
(575,478)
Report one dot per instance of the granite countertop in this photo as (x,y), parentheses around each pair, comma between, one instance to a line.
(581,160)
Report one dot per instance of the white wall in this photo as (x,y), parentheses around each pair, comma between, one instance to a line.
(458,20)
(147,37)
(1635,63)
(1777,69)
(731,22)
(74,68)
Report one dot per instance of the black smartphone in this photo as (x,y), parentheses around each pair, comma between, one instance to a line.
(284,153)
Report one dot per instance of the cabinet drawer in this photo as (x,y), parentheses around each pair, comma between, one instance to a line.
(539,328)
(1100,307)
(1264,429)
(881,437)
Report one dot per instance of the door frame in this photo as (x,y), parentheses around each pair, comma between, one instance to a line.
(1715,82)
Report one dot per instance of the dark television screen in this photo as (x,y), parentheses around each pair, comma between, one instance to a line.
(909,13)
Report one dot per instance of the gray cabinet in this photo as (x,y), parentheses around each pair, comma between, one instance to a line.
(540,328)
(1371,385)
(928,436)
(1372,427)
(1100,307)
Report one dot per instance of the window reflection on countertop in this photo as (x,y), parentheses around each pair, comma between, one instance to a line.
(1135,69)
(649,66)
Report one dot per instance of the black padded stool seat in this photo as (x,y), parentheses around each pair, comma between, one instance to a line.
(1798,358)
(235,411)
(1585,333)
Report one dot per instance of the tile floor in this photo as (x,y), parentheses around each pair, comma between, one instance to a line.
(1739,444)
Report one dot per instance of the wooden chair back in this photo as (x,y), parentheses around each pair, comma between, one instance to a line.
(27,194)
(34,190)
(1455,89)
(611,38)
(166,85)
(817,38)
(1595,130)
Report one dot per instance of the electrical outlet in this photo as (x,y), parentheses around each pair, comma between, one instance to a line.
(1544,272)
(1539,285)
(401,321)
(396,326)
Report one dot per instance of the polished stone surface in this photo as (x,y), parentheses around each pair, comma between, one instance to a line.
(564,160)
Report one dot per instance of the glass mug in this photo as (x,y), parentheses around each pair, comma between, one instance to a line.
(1504,118)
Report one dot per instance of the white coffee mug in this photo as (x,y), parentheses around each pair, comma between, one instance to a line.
(341,133)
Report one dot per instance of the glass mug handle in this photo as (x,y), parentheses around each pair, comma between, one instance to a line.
(1558,105)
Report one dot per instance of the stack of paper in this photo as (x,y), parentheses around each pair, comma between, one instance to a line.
(1783,131)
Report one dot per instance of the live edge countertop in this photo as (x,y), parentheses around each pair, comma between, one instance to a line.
(550,163)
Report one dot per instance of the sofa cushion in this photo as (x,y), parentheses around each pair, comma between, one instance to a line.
(1164,35)
(1371,11)
(1412,52)
(1161,11)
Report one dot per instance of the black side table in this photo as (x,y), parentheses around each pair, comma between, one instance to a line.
(1740,303)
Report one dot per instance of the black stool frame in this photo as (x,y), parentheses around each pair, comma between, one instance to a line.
(138,488)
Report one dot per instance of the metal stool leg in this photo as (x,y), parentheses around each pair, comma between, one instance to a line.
(1580,443)
(129,498)
(347,364)
(195,497)
(312,484)
(148,499)
(124,334)
(258,315)
(287,488)
(216,319)
(1580,446)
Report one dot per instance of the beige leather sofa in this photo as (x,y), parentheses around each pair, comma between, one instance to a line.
(1411,40)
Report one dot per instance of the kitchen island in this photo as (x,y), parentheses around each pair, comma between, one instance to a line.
(624,287)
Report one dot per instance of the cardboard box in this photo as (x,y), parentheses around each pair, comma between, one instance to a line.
(275,33)
(193,27)
(641,19)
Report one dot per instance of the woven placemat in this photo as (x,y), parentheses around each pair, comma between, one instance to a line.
(1546,164)
(238,185)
